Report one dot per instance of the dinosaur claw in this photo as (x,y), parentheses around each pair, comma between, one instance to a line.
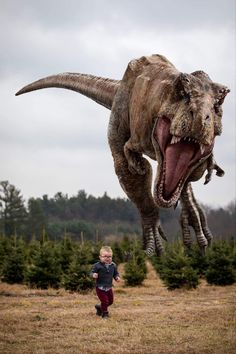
(176,204)
(192,215)
(213,166)
(203,250)
(207,178)
(162,234)
(219,172)
(152,234)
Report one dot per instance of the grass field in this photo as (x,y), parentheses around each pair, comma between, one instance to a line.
(147,319)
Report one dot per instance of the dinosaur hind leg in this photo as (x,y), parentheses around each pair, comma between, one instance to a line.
(193,215)
(138,189)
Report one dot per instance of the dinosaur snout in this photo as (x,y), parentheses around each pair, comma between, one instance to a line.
(202,127)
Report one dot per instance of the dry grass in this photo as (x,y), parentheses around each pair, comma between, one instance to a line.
(148,319)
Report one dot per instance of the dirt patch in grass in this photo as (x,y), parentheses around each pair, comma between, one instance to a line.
(148,319)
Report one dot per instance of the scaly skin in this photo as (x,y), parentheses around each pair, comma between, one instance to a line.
(193,215)
(172,118)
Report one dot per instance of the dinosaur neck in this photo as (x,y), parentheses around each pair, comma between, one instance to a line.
(99,89)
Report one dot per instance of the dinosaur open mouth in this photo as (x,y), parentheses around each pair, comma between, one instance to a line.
(179,157)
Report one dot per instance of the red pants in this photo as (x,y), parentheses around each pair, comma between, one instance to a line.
(106,298)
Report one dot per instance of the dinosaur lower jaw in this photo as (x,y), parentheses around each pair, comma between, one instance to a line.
(178,158)
(159,194)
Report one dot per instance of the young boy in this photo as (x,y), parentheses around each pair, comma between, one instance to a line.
(104,271)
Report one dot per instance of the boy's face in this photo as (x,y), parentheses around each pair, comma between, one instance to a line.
(106,257)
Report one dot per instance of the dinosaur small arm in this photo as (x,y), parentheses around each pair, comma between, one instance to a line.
(169,116)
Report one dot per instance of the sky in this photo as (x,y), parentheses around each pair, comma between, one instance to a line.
(55,140)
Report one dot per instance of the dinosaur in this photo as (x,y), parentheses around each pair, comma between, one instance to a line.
(172,118)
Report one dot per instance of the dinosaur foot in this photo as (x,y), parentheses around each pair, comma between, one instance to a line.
(193,217)
(152,235)
(213,166)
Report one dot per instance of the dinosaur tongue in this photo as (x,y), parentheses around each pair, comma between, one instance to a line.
(177,159)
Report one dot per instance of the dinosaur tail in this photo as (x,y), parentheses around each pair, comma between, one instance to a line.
(99,89)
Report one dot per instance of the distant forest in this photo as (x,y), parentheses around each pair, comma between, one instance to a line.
(92,218)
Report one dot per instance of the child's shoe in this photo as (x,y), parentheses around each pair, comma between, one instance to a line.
(99,310)
(105,315)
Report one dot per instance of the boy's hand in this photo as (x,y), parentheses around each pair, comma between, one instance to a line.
(117,279)
(95,275)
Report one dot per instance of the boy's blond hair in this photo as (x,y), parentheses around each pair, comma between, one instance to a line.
(105,249)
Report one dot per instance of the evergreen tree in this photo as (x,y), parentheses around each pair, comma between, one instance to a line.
(78,277)
(32,249)
(197,260)
(12,210)
(45,270)
(118,254)
(95,251)
(14,264)
(135,268)
(175,268)
(36,218)
(66,252)
(5,250)
(220,264)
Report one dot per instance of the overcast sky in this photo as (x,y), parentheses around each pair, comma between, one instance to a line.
(55,140)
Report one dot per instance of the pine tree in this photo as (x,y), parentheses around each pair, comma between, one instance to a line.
(198,261)
(12,210)
(5,250)
(95,250)
(220,264)
(45,270)
(135,268)
(78,277)
(66,252)
(14,264)
(36,218)
(175,268)
(118,254)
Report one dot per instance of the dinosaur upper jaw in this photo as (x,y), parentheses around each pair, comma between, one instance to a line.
(178,157)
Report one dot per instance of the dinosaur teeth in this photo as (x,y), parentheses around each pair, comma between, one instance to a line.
(175,139)
(202,148)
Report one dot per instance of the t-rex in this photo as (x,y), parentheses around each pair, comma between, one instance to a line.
(169,116)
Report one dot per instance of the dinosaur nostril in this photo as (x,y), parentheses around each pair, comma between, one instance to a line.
(191,113)
(207,117)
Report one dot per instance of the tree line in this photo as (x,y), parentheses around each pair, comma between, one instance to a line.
(66,263)
(91,218)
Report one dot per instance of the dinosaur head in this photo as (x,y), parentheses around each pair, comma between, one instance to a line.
(184,133)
